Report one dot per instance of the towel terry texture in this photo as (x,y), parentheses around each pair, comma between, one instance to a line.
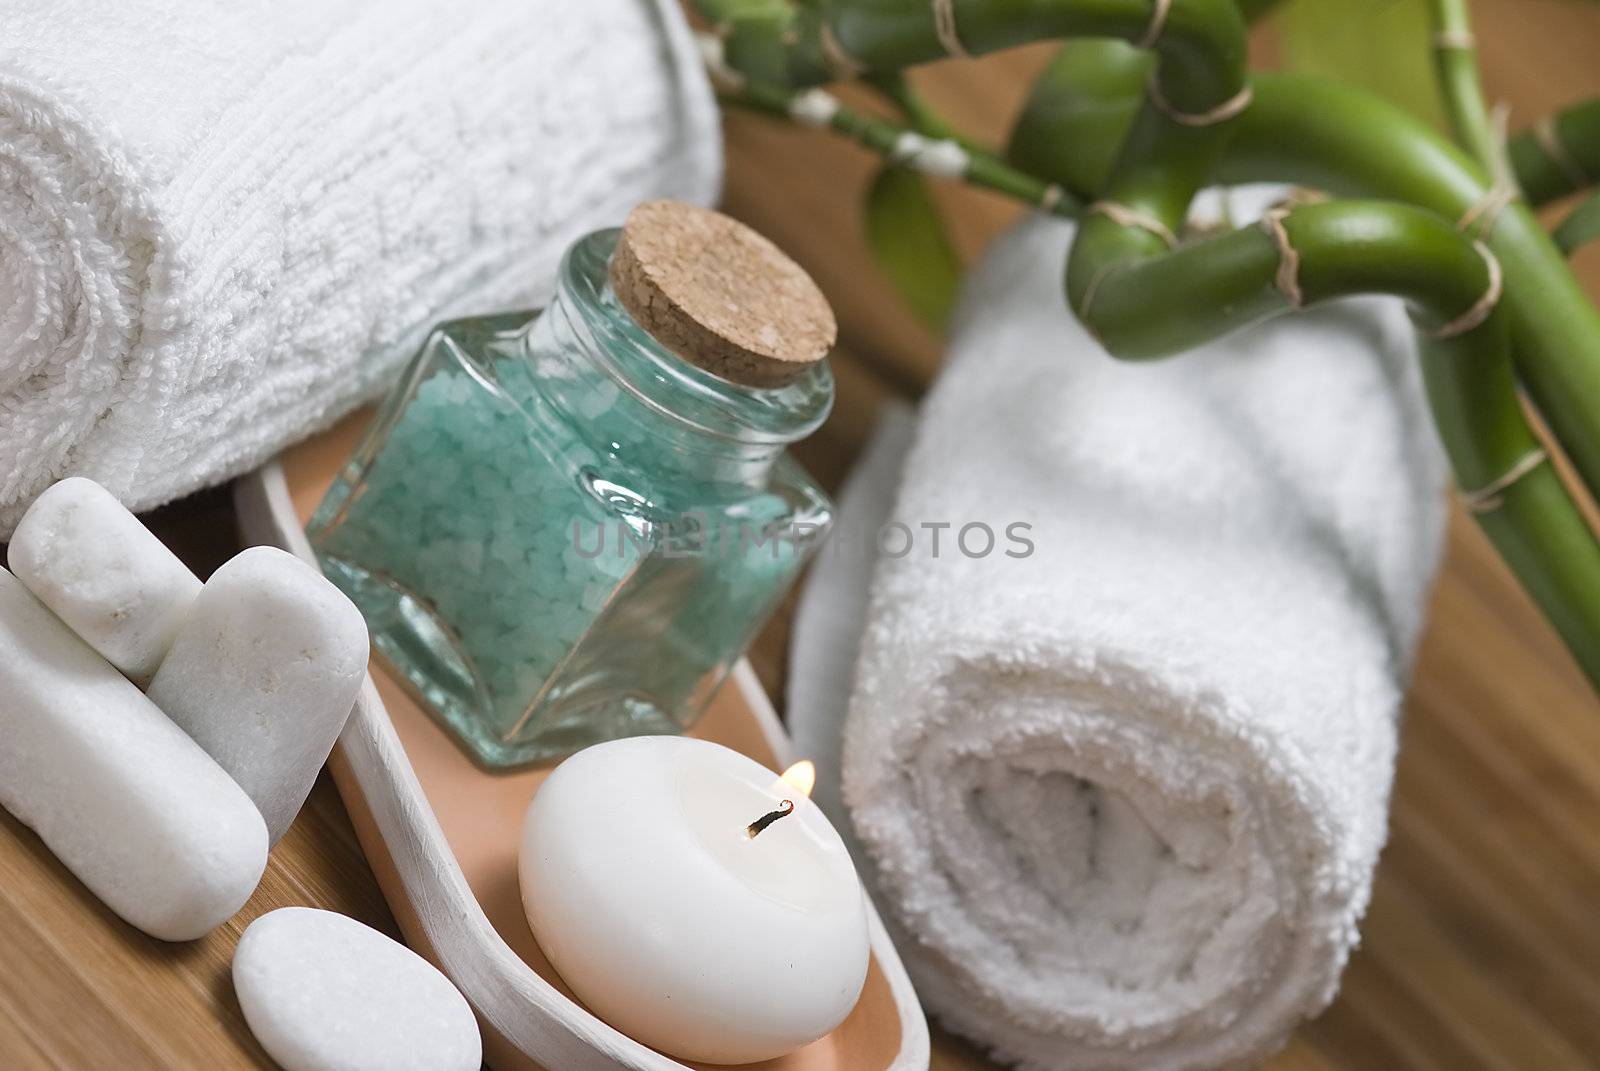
(1122,797)
(225,222)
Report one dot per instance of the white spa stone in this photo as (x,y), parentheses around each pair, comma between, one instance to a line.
(263,675)
(88,559)
(322,992)
(123,798)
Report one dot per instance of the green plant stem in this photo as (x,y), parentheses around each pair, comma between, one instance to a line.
(1456,60)
(1315,132)
(1162,163)
(890,141)
(1177,135)
(1078,113)
(1559,156)
(1581,226)
(1202,43)
(919,114)
(1209,288)
(1322,134)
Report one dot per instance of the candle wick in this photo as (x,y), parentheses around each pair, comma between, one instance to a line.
(750,831)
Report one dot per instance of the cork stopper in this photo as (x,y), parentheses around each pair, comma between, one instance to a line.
(719,295)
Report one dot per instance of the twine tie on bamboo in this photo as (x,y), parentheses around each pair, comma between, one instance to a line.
(1500,125)
(1051,197)
(1088,299)
(1301,195)
(1480,217)
(1491,496)
(842,63)
(944,27)
(1158,22)
(1228,109)
(714,56)
(1461,40)
(1132,217)
(1480,310)
(1287,278)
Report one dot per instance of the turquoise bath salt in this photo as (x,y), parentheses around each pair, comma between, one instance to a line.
(561,532)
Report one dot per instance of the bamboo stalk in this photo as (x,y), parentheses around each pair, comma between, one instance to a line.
(1195,124)
(1314,132)
(1078,113)
(1193,96)
(919,114)
(900,144)
(1336,249)
(1317,133)
(1323,134)
(1455,52)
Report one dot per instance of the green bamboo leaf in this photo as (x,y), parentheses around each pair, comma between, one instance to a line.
(909,241)
(1384,46)
(1581,226)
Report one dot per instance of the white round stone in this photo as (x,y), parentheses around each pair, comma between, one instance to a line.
(322,992)
(105,574)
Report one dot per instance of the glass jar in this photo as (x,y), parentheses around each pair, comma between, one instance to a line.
(561,532)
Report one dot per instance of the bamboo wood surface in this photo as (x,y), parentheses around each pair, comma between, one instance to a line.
(1482,945)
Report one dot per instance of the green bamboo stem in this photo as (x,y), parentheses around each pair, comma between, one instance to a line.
(1202,41)
(1559,155)
(1455,53)
(900,144)
(1319,133)
(1192,99)
(1165,159)
(1208,288)
(919,114)
(1078,114)
(1211,287)
(1581,226)
(1188,131)
(1323,134)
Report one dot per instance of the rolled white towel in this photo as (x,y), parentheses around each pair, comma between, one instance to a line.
(1122,797)
(224,223)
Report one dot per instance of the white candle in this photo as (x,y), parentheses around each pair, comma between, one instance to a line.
(671,921)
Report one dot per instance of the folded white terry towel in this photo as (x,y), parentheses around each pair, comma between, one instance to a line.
(1122,797)
(225,222)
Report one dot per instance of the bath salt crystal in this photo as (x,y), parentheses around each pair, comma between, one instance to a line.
(322,992)
(128,803)
(263,675)
(462,471)
(106,575)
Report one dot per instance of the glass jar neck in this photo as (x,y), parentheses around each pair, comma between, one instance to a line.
(647,406)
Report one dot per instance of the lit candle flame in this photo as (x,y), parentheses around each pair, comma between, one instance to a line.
(799,778)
